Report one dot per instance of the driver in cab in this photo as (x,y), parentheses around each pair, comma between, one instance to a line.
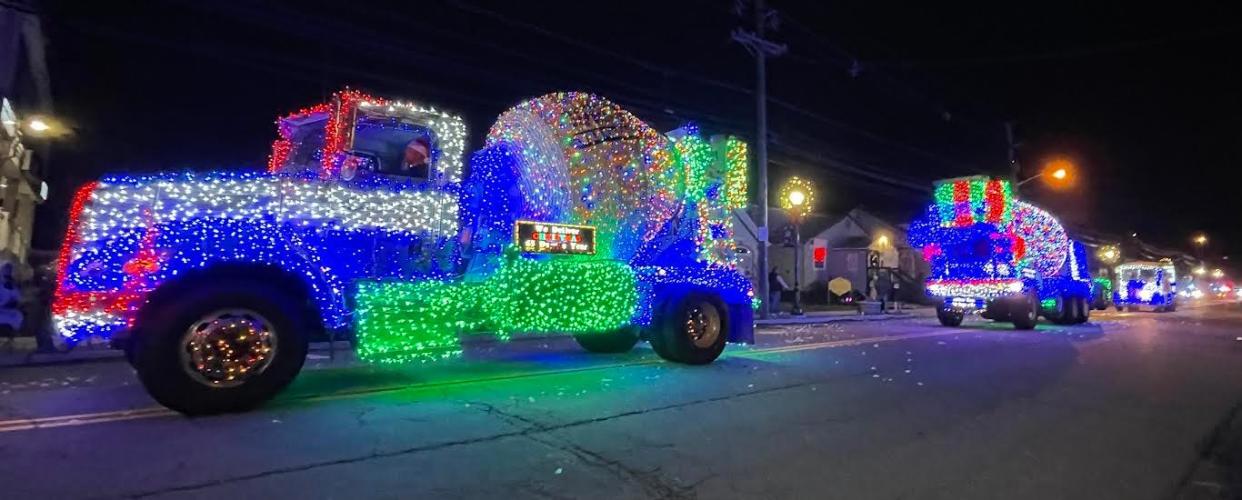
(416,161)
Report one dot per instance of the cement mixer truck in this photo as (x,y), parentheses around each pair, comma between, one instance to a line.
(575,217)
(998,256)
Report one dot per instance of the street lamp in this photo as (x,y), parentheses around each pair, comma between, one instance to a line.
(797,198)
(40,126)
(1200,271)
(1218,274)
(1058,171)
(1201,241)
(1109,254)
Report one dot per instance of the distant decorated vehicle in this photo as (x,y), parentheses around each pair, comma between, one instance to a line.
(576,218)
(1144,284)
(1101,293)
(1004,258)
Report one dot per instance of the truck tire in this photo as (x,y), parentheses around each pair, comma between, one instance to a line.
(996,311)
(1024,312)
(187,356)
(1084,310)
(614,341)
(693,329)
(949,317)
(1064,312)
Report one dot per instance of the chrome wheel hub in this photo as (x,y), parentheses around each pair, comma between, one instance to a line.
(703,324)
(227,347)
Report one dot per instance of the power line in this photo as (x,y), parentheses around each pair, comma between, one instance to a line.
(1070,53)
(656,107)
(308,69)
(856,68)
(781,103)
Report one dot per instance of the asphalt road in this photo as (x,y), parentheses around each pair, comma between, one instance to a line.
(1130,406)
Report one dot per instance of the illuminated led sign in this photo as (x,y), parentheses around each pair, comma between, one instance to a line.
(547,237)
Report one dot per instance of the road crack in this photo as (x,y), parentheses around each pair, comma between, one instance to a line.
(652,481)
(529,428)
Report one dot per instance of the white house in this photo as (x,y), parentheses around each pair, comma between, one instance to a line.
(847,246)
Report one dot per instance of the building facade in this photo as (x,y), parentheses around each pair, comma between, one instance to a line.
(855,246)
(24,90)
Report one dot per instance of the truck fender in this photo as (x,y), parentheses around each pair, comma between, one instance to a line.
(194,245)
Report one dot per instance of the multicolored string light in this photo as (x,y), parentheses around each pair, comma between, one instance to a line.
(966,201)
(661,207)
(579,158)
(127,235)
(982,243)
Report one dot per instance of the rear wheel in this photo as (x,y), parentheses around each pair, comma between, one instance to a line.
(692,330)
(1024,312)
(1066,311)
(949,317)
(221,348)
(614,341)
(1084,310)
(996,311)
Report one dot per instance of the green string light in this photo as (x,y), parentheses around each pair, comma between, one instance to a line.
(402,322)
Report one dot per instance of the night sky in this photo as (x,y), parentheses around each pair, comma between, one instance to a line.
(872,100)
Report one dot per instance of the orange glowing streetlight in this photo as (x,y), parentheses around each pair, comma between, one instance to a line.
(1057,172)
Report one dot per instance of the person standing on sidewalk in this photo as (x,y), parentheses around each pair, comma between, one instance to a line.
(884,288)
(776,285)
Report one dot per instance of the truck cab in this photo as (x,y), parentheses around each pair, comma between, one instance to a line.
(1146,284)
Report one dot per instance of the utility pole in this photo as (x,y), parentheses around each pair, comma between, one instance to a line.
(761,49)
(1015,169)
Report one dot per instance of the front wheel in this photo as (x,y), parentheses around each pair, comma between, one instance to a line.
(692,330)
(614,341)
(949,317)
(221,349)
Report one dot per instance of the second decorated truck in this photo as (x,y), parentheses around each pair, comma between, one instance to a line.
(575,217)
(1001,257)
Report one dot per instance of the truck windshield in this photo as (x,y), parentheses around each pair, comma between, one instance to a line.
(398,147)
(1140,274)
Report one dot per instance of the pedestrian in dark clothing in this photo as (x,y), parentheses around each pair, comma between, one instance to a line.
(776,285)
(884,288)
